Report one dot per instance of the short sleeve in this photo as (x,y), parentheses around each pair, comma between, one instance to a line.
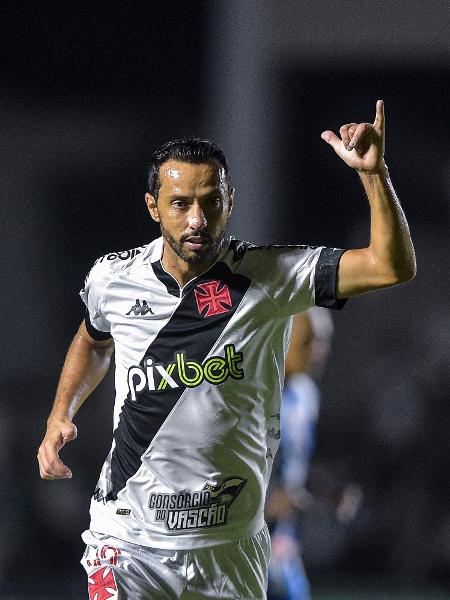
(297,277)
(92,295)
(325,279)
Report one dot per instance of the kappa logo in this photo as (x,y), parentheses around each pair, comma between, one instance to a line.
(140,309)
(213,296)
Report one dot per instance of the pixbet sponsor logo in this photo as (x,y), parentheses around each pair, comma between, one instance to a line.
(184,372)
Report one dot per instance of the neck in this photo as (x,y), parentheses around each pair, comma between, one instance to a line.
(181,270)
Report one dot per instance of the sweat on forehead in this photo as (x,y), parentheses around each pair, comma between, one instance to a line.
(182,174)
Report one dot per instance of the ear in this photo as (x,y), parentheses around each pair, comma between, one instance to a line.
(152,206)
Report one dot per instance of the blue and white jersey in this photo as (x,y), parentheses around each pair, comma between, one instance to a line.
(299,416)
(199,376)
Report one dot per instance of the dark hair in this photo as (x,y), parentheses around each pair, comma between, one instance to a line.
(189,150)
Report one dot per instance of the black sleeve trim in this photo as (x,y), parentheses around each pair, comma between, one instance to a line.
(95,333)
(325,279)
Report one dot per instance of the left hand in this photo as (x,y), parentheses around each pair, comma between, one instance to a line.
(279,505)
(361,145)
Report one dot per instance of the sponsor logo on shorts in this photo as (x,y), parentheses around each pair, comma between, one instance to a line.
(185,372)
(193,510)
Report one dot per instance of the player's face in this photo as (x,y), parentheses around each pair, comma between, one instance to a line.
(192,208)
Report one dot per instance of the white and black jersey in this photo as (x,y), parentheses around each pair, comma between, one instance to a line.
(199,375)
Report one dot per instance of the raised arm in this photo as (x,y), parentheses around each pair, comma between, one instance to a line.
(389,259)
(86,364)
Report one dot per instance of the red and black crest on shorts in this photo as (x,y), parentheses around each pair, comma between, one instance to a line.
(102,585)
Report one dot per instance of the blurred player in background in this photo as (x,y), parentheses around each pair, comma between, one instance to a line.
(309,346)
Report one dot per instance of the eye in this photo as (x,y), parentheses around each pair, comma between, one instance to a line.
(215,202)
(178,203)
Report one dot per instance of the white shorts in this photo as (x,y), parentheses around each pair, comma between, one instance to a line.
(118,570)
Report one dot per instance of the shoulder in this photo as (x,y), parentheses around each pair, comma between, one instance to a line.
(264,257)
(119,259)
(242,248)
(107,266)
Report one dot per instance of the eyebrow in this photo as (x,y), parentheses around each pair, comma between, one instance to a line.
(214,192)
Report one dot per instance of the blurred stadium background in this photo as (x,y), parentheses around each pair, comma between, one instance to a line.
(88,91)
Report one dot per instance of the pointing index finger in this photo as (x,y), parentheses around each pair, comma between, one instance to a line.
(379,116)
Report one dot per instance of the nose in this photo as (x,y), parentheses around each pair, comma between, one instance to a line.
(197,220)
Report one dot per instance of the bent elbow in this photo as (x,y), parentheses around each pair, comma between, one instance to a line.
(412,273)
(404,274)
(409,271)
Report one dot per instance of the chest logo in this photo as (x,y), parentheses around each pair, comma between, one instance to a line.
(140,309)
(213,296)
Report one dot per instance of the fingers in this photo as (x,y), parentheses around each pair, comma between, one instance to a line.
(50,465)
(346,132)
(379,116)
(332,139)
(69,432)
(359,134)
(352,134)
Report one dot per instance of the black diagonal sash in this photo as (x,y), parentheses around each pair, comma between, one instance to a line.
(193,329)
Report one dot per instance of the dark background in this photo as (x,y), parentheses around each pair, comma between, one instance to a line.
(87,93)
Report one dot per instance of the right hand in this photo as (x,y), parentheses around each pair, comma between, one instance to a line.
(361,145)
(50,465)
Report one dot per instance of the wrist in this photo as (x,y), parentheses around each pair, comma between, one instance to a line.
(57,418)
(380,171)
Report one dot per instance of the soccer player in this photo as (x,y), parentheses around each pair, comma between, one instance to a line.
(309,346)
(199,323)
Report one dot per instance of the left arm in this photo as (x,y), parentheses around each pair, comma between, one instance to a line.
(389,259)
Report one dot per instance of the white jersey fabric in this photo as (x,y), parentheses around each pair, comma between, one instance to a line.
(199,375)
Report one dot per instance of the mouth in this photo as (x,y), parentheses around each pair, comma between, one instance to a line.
(196,242)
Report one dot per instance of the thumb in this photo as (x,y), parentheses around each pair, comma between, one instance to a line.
(69,432)
(331,138)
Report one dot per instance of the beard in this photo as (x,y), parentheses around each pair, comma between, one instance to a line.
(204,255)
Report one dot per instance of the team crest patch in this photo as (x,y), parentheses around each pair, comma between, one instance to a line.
(102,585)
(213,298)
